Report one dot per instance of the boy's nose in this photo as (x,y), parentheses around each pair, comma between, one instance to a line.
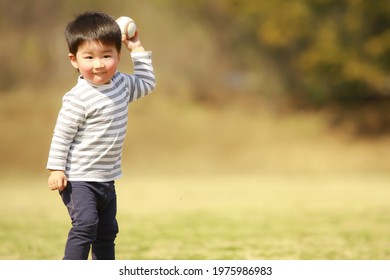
(98,63)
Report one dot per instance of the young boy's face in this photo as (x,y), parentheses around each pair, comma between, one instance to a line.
(96,62)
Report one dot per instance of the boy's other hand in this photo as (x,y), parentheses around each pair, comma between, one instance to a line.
(57,180)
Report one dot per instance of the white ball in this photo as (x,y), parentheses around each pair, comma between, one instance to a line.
(127,26)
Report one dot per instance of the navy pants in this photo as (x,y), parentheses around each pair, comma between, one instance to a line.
(92,208)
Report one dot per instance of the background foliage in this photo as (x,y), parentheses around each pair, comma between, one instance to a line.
(297,54)
(325,52)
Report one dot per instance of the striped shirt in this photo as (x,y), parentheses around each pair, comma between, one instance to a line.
(91,125)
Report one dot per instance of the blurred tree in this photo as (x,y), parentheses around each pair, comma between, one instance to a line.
(315,53)
(330,52)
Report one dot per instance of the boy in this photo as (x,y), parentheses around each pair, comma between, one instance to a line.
(86,149)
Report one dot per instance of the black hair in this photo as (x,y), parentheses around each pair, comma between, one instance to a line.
(93,26)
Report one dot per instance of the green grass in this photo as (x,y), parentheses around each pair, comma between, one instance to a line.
(215,217)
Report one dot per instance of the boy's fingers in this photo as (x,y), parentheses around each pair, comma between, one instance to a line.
(53,186)
(62,184)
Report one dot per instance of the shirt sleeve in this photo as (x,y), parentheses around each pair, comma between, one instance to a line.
(143,81)
(70,118)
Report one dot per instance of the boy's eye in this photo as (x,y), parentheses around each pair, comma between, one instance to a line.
(107,56)
(88,57)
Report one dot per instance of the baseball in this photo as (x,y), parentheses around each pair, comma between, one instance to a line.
(127,26)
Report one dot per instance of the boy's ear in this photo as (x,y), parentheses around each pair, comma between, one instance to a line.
(73,60)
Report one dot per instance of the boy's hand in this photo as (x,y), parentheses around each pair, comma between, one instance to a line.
(134,44)
(57,180)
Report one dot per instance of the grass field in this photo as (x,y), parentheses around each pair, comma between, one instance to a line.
(233,182)
(244,217)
